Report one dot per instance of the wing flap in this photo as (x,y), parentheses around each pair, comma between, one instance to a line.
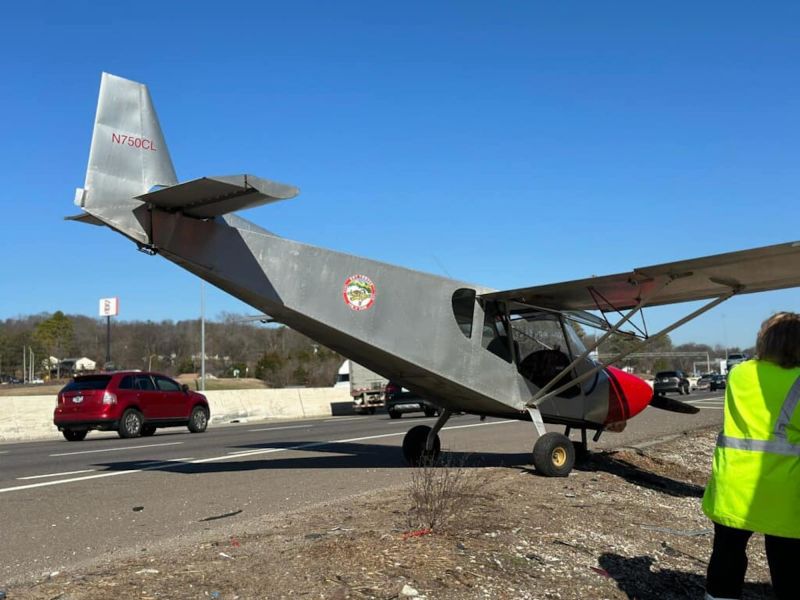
(747,271)
(209,197)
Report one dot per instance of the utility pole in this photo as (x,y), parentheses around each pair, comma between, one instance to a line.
(24,365)
(202,335)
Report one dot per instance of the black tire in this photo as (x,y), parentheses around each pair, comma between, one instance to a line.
(393,414)
(687,389)
(148,430)
(198,420)
(553,455)
(430,412)
(414,447)
(371,410)
(75,435)
(130,425)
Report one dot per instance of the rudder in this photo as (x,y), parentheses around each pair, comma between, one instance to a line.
(128,156)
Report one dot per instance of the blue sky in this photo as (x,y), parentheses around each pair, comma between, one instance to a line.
(507,144)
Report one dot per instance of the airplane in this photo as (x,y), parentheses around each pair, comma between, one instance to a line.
(512,354)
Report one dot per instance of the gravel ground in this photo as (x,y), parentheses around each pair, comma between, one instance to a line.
(624,524)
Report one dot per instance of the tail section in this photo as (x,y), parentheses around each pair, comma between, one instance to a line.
(128,156)
(131,183)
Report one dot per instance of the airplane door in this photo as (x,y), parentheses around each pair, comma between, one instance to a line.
(546,346)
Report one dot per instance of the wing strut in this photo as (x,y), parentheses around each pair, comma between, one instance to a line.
(548,392)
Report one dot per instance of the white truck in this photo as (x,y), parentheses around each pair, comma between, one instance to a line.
(366,387)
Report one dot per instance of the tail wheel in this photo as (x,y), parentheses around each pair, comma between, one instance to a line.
(554,455)
(414,446)
(130,425)
(393,414)
(198,420)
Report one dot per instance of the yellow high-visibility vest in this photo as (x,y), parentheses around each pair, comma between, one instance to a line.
(755,479)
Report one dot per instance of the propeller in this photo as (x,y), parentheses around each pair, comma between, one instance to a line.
(673,405)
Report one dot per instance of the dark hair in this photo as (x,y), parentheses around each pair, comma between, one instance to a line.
(779,340)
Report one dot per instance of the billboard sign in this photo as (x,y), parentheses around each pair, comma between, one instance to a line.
(109,307)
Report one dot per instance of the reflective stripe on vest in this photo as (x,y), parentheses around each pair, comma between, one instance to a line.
(777,446)
(787,410)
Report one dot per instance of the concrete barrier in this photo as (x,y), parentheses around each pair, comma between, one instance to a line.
(31,417)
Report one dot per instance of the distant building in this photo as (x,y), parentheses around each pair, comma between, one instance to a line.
(71,366)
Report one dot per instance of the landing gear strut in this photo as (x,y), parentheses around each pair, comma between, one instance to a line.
(421,446)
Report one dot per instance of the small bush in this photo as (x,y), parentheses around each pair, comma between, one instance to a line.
(439,491)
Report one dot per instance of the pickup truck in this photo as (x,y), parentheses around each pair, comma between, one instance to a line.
(399,400)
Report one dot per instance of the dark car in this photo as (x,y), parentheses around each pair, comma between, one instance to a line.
(132,403)
(718,382)
(399,400)
(671,381)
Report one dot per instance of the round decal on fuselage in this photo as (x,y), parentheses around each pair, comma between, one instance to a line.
(359,292)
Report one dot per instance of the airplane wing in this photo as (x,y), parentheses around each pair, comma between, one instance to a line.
(756,270)
(209,197)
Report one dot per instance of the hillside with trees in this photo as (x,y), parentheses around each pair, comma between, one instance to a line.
(237,347)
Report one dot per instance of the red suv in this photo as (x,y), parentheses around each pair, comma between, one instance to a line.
(130,402)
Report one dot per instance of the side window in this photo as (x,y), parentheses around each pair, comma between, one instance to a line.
(167,385)
(144,383)
(494,337)
(464,309)
(126,383)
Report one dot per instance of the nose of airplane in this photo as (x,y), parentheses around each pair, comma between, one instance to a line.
(627,395)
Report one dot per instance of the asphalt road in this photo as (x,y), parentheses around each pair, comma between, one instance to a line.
(65,504)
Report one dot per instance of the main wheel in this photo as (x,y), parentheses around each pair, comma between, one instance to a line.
(148,430)
(198,420)
(130,425)
(430,411)
(554,455)
(414,446)
(686,389)
(75,435)
(393,414)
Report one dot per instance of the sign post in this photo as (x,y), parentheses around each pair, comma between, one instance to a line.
(109,307)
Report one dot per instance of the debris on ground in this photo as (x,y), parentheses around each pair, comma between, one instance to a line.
(625,524)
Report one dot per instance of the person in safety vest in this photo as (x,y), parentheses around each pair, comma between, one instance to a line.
(755,478)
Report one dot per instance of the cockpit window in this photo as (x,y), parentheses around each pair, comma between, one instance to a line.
(547,345)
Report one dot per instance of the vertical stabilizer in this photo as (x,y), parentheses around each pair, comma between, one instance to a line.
(128,156)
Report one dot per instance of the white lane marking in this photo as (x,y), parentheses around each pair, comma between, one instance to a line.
(286,427)
(116,449)
(329,443)
(341,419)
(4,451)
(55,474)
(29,486)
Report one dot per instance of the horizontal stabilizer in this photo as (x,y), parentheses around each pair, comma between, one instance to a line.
(85,218)
(210,197)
